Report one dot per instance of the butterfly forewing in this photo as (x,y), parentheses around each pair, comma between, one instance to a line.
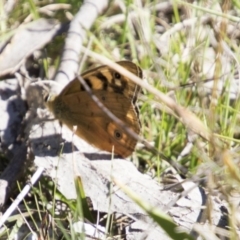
(107,79)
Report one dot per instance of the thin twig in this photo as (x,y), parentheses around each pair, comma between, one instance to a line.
(119,122)
(20,197)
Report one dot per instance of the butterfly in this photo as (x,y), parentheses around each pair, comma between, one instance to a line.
(74,106)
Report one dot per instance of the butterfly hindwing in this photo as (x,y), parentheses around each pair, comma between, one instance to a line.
(96,127)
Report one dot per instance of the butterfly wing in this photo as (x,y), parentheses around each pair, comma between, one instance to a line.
(94,126)
(75,107)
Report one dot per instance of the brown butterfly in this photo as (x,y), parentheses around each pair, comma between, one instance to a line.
(74,106)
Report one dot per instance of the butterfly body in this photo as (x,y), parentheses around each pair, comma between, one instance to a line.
(74,106)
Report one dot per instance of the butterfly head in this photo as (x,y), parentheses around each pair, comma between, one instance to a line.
(49,101)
